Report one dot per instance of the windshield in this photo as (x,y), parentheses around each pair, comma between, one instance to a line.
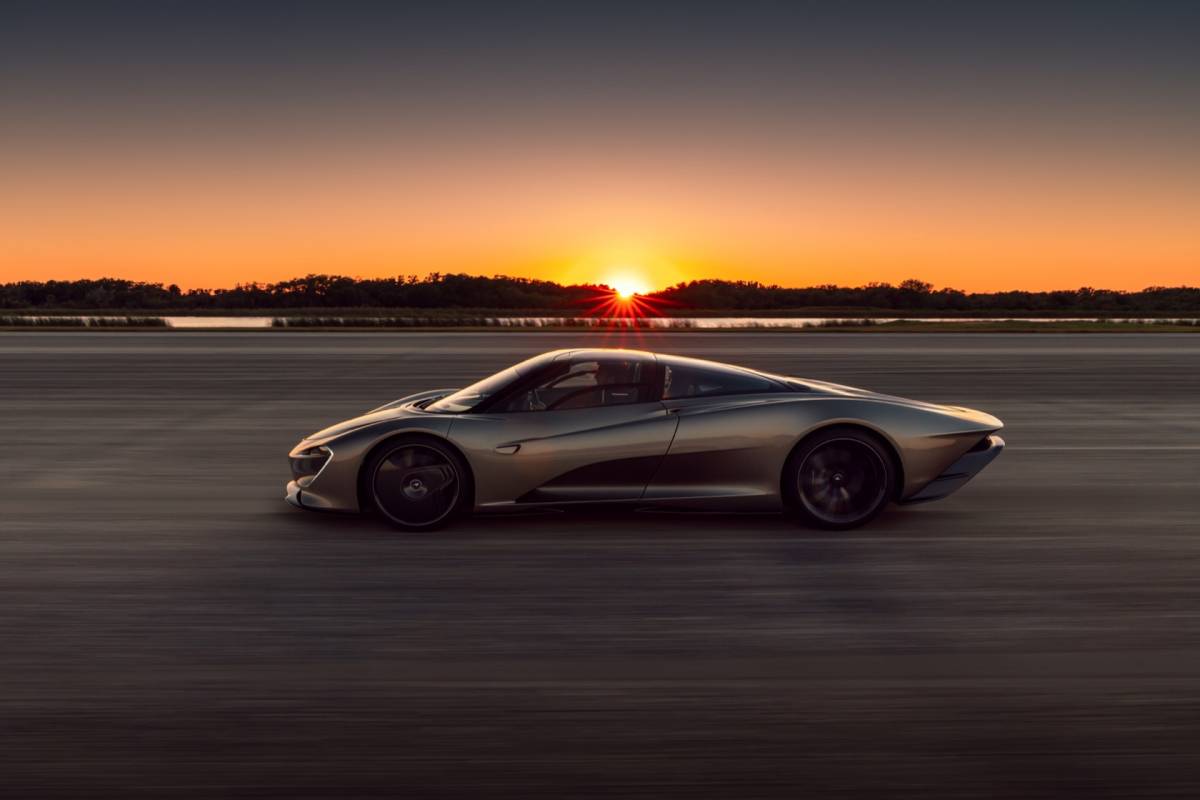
(466,399)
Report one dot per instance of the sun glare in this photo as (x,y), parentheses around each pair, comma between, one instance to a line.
(626,286)
(624,300)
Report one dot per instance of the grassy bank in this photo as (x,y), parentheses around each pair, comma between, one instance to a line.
(449,315)
(461,322)
(433,321)
(77,323)
(865,325)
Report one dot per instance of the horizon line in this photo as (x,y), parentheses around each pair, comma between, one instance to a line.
(911,284)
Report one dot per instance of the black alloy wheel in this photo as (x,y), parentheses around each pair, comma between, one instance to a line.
(839,479)
(417,485)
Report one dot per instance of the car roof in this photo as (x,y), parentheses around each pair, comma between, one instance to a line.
(646,356)
(604,352)
(582,354)
(704,363)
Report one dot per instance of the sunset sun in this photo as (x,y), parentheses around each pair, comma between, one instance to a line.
(624,295)
(627,285)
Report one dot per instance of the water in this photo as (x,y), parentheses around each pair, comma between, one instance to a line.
(701,323)
(219,322)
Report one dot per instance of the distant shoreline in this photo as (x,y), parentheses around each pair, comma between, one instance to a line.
(463,295)
(357,324)
(808,312)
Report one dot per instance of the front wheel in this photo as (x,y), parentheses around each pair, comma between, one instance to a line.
(417,484)
(839,479)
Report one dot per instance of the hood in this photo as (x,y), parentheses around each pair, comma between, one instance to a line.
(353,424)
(389,411)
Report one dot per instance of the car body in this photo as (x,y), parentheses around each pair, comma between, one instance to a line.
(601,426)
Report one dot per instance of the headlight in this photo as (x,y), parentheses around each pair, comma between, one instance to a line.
(307,464)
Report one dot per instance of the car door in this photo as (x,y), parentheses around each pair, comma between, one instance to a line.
(585,429)
(732,433)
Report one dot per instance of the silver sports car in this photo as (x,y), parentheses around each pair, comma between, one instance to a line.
(587,427)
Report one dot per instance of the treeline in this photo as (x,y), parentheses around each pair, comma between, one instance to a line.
(919,296)
(312,291)
(457,291)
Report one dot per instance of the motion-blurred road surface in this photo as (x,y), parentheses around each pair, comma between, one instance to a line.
(170,627)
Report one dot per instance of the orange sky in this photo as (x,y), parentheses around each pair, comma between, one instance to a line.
(182,154)
(853,215)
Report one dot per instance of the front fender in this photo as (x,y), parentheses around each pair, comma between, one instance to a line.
(336,487)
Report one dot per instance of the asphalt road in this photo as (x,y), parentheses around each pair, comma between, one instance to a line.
(170,627)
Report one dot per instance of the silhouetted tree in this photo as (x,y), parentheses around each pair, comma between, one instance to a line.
(503,293)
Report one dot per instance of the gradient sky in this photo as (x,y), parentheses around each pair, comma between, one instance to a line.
(1013,145)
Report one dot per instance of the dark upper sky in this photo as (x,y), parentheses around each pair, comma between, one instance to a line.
(828,94)
(555,54)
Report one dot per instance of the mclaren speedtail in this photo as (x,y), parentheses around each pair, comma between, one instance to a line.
(576,428)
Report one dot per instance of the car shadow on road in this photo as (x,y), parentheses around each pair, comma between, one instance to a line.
(608,523)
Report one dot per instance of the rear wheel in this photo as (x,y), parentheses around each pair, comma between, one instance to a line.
(417,484)
(839,479)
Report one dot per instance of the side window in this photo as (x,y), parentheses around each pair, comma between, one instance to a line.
(684,380)
(587,384)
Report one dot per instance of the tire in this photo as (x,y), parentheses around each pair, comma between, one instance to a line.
(839,479)
(417,483)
